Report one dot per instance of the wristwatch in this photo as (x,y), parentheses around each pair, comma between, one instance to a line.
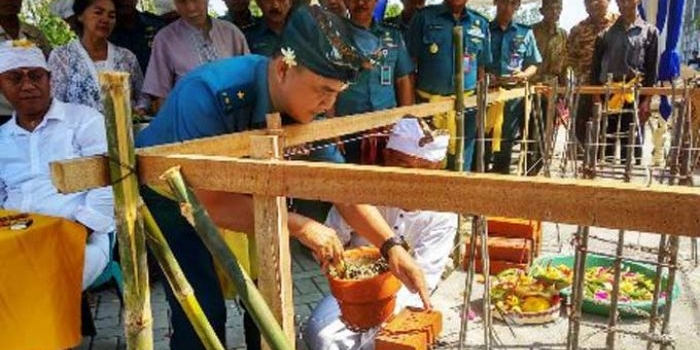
(390,243)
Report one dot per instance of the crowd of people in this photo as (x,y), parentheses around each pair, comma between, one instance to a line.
(202,76)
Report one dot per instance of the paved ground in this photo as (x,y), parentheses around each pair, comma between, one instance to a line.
(310,285)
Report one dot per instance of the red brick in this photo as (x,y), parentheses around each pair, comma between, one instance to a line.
(411,329)
(517,228)
(517,250)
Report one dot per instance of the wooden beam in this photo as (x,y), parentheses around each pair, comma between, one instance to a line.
(80,174)
(600,90)
(272,245)
(84,173)
(659,209)
(229,145)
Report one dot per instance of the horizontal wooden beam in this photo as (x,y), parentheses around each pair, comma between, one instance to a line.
(601,90)
(660,209)
(238,144)
(80,174)
(91,172)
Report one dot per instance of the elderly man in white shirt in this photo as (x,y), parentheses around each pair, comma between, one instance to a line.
(428,234)
(43,130)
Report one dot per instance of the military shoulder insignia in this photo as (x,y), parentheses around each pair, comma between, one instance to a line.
(234,97)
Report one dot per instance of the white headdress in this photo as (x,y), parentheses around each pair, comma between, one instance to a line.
(20,54)
(408,136)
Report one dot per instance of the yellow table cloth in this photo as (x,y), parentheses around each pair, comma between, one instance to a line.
(41,273)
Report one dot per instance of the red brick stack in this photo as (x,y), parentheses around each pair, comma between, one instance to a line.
(411,329)
(513,243)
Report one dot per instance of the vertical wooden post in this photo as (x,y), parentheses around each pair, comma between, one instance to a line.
(138,322)
(272,245)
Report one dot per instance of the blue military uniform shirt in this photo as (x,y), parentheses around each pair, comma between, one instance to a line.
(398,23)
(251,21)
(430,44)
(512,49)
(139,40)
(221,97)
(375,89)
(261,39)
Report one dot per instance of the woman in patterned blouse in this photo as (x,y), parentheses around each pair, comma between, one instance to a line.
(76,65)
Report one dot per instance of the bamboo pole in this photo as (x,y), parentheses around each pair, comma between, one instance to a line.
(138,322)
(208,232)
(178,282)
(458,43)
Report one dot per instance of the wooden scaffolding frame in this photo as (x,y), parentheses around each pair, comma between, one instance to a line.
(218,163)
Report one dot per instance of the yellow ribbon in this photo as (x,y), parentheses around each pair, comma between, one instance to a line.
(446,120)
(494,122)
(618,99)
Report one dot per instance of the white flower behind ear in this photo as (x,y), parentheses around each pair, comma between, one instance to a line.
(289,57)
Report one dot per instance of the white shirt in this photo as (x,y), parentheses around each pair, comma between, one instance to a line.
(67,131)
(430,235)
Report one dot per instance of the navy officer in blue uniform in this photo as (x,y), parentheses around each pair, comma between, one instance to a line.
(318,56)
(264,36)
(431,46)
(515,60)
(387,85)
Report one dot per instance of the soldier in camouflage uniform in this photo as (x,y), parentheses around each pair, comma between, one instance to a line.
(580,45)
(551,41)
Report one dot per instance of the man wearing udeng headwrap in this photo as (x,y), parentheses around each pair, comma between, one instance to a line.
(319,55)
(35,135)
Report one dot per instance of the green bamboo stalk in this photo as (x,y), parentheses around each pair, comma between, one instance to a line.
(458,43)
(138,322)
(209,233)
(178,282)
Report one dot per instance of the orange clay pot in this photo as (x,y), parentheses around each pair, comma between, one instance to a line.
(368,302)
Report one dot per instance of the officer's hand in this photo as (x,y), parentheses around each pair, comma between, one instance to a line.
(409,273)
(324,243)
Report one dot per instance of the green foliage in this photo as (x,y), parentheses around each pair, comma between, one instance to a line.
(527,14)
(393,10)
(255,9)
(36,12)
(146,6)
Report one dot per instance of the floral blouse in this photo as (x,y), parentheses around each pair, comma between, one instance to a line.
(74,74)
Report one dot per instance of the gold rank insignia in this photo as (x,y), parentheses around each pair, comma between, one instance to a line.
(433,48)
(241,95)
